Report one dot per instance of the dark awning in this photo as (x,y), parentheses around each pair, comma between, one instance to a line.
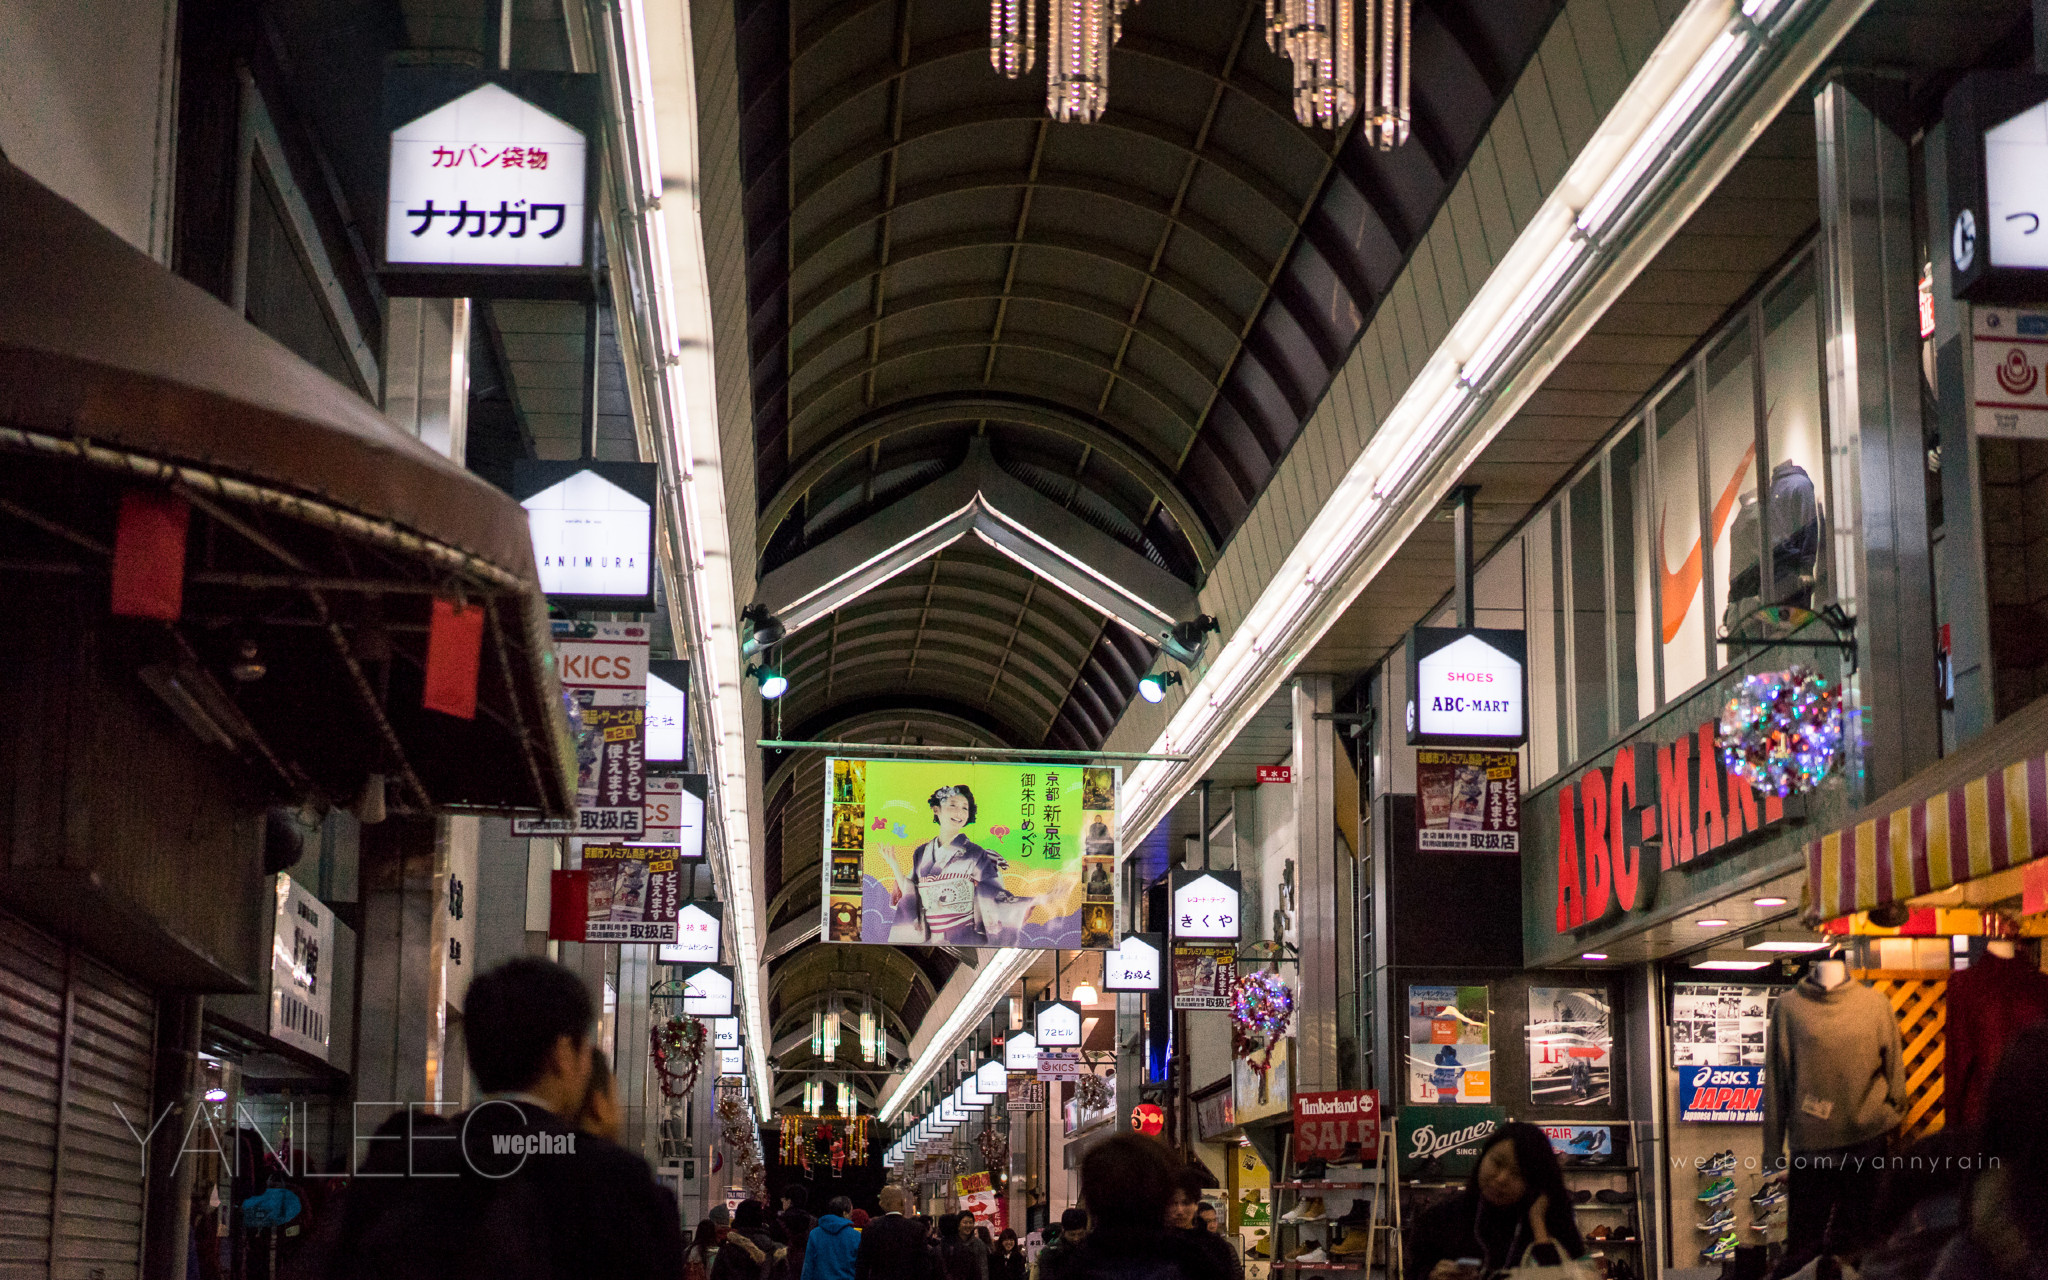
(321,532)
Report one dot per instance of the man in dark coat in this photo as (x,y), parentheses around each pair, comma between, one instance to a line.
(894,1247)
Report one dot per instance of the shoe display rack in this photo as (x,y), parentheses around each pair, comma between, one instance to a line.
(1607,1197)
(1336,1219)
(1717,1199)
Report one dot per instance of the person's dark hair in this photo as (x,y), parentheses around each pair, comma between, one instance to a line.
(967,1214)
(1009,1233)
(949,1229)
(600,1080)
(841,1205)
(514,1014)
(751,1218)
(944,794)
(1190,1182)
(1125,1182)
(1073,1219)
(1541,1176)
(706,1238)
(2019,1136)
(798,1195)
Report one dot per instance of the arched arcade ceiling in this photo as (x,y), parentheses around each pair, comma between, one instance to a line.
(1137,315)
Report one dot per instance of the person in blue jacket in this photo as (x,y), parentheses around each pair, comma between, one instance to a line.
(833,1243)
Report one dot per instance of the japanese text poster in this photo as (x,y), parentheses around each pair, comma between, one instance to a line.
(1204,974)
(1468,801)
(604,675)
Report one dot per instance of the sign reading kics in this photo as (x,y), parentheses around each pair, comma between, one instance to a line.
(1468,688)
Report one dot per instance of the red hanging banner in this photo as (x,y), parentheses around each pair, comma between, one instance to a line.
(149,555)
(454,647)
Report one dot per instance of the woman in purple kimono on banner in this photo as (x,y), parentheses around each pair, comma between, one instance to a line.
(951,896)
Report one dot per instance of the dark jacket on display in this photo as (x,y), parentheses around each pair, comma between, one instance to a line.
(1836,1075)
(894,1248)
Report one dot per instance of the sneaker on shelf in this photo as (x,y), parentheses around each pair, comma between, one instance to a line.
(1622,1232)
(1599,1233)
(1582,1196)
(1615,1195)
(1719,1163)
(1768,1197)
(1313,1170)
(1720,1250)
(1720,1221)
(1762,1225)
(1309,1210)
(1358,1215)
(1354,1242)
(1258,1252)
(1719,1191)
(1317,1255)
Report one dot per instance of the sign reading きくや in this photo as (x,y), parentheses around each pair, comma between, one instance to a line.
(1467,687)
(1205,904)
(487,180)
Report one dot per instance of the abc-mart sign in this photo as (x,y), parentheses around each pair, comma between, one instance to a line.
(1468,687)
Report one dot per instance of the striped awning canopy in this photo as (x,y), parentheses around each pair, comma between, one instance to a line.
(1981,810)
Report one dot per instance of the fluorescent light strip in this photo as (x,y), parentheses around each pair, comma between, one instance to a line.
(1001,971)
(1743,966)
(687,434)
(1508,304)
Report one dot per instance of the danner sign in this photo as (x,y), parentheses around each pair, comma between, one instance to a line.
(1445,1141)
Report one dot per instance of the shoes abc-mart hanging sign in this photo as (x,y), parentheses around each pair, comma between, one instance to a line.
(1468,687)
(490,183)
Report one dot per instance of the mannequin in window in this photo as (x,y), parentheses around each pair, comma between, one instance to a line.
(1834,1090)
(2001,994)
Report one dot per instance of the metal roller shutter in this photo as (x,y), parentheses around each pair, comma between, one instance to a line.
(77,1045)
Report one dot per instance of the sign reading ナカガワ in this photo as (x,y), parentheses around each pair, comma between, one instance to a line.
(487,180)
(1327,1126)
(951,853)
(1468,687)
(1468,801)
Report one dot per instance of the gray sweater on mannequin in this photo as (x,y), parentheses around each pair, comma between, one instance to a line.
(1835,1075)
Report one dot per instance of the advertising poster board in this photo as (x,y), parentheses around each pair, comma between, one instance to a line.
(1204,974)
(990,1207)
(1721,1095)
(1468,801)
(1581,1143)
(951,853)
(604,672)
(1027,1092)
(621,893)
(1450,1054)
(301,958)
(1571,1047)
(1717,1025)
(1442,1143)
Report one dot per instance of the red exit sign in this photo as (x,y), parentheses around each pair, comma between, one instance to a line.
(1276,773)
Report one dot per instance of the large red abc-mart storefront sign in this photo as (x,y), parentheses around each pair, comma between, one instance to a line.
(1602,822)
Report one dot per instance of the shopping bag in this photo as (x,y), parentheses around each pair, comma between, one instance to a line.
(1558,1266)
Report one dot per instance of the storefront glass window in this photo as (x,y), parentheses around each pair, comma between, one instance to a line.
(1798,507)
(1733,529)
(1681,619)
(1635,654)
(1589,612)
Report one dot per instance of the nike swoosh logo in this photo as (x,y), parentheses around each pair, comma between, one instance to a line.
(1677,588)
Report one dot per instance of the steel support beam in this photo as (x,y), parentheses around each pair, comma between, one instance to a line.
(1315,833)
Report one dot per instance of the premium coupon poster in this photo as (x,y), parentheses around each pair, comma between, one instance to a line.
(1571,1047)
(1450,1053)
(957,854)
(621,893)
(604,673)
(1204,974)
(1468,801)
(1715,1025)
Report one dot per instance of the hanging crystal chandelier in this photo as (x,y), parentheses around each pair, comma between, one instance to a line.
(1320,38)
(1078,37)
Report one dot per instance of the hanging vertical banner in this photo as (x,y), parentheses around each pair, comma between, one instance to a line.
(1204,974)
(603,668)
(1468,801)
(927,852)
(300,994)
(1450,1055)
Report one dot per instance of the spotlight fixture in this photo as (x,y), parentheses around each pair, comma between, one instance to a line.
(1593,955)
(772,682)
(1184,644)
(760,630)
(1154,685)
(248,666)
(1715,923)
(1770,902)
(1085,994)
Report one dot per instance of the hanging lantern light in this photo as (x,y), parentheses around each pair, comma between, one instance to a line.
(831,1033)
(1320,37)
(1387,72)
(817,1034)
(870,1035)
(1013,35)
(1078,36)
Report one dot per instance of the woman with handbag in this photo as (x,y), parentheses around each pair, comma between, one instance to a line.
(1516,1200)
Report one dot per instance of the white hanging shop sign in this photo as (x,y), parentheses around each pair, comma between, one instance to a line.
(1998,186)
(489,185)
(1468,687)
